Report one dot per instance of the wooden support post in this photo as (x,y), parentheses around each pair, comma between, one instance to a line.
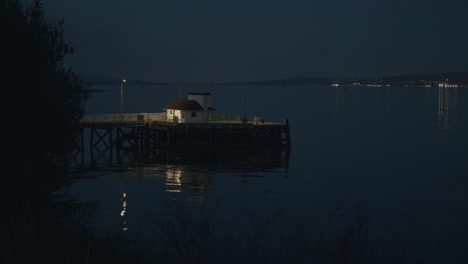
(168,136)
(135,137)
(154,137)
(211,136)
(82,150)
(127,137)
(119,141)
(91,143)
(141,140)
(254,135)
(101,138)
(230,143)
(109,131)
(288,136)
(146,140)
(187,138)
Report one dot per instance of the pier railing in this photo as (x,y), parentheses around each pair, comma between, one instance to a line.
(161,118)
(216,117)
(125,117)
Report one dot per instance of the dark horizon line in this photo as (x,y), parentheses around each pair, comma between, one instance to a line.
(458,75)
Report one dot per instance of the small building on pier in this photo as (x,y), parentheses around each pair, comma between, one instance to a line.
(195,108)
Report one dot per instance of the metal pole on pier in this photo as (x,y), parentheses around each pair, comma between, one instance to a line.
(245,102)
(121,98)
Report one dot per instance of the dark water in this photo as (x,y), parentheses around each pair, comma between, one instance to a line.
(399,153)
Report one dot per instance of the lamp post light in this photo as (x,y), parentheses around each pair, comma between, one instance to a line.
(121,98)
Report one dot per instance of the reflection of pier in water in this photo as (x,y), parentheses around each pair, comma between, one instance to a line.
(447,111)
(188,153)
(102,152)
(186,173)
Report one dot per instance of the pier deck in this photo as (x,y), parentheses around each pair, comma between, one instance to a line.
(159,123)
(227,134)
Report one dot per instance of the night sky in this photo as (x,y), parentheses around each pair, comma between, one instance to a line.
(251,40)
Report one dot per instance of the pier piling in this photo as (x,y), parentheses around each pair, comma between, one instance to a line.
(152,136)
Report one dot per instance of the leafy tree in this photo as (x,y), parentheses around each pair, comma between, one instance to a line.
(42,102)
(43,98)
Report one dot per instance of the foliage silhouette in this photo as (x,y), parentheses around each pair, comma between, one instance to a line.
(44,101)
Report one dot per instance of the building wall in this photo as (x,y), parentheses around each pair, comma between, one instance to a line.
(172,114)
(185,116)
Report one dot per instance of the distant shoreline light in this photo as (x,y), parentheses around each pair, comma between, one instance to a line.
(448,85)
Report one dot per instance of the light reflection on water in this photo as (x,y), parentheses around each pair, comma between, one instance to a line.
(399,152)
(177,180)
(448,107)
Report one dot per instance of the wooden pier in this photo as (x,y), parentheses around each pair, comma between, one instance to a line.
(147,137)
(227,135)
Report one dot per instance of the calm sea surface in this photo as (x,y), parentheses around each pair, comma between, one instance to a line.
(400,154)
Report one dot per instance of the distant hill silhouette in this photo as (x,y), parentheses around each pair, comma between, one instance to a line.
(451,77)
(398,80)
